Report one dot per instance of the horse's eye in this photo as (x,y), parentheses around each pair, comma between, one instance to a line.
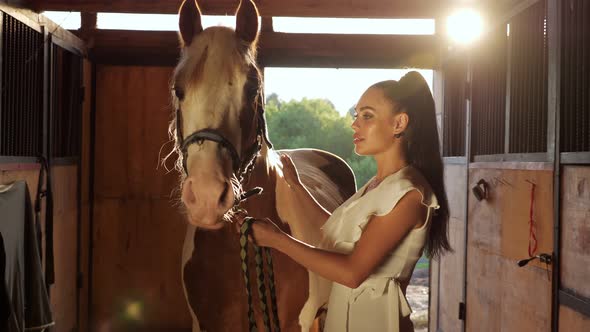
(179,93)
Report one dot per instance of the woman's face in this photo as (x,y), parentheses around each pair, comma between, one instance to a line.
(374,123)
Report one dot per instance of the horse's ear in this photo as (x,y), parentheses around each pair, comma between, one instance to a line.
(189,21)
(247,21)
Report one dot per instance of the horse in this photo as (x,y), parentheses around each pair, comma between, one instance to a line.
(224,152)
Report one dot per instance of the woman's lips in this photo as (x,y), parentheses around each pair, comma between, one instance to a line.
(357,139)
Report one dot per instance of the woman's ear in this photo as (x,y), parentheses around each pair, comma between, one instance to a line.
(400,123)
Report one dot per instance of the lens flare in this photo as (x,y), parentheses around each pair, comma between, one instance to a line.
(464,26)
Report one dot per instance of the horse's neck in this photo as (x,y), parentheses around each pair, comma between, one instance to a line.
(265,169)
(264,175)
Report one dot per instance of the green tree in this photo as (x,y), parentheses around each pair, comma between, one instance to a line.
(315,123)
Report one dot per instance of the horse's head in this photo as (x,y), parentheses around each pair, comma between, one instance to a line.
(219,126)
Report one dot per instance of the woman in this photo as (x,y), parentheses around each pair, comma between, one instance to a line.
(376,237)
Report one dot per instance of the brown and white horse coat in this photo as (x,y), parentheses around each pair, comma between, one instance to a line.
(217,86)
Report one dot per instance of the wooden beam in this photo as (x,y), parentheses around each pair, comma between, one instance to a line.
(295,8)
(277,49)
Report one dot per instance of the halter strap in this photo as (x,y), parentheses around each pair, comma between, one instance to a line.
(210,135)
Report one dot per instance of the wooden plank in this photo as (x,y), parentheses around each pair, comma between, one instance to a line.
(570,320)
(65,223)
(434,289)
(278,49)
(133,111)
(137,264)
(293,8)
(575,229)
(85,198)
(514,206)
(500,294)
(452,265)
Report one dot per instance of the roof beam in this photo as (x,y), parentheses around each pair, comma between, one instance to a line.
(277,49)
(292,8)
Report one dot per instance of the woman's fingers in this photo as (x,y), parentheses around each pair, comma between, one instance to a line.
(289,170)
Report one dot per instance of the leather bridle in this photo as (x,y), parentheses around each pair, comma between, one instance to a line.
(242,168)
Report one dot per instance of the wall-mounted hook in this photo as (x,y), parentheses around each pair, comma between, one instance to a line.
(544,258)
(480,190)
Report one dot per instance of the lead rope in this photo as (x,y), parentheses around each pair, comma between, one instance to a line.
(245,231)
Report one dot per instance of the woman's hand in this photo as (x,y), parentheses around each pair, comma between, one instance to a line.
(290,171)
(265,233)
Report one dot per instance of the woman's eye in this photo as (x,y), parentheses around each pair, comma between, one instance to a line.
(355,115)
(367,116)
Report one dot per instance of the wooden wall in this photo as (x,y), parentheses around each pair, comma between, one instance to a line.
(575,243)
(137,232)
(499,295)
(452,265)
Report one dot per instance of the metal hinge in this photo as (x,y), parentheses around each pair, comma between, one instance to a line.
(461,311)
(467,91)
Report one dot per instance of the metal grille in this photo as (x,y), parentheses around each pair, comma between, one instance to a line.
(575,76)
(455,73)
(67,103)
(21,98)
(528,80)
(489,94)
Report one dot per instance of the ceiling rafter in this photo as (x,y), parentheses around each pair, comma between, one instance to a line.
(292,8)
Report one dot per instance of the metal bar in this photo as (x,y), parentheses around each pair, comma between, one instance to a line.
(467,133)
(576,302)
(520,157)
(508,90)
(2,35)
(454,160)
(575,158)
(554,95)
(17,160)
(46,96)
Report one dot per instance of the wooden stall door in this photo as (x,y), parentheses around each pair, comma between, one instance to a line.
(447,274)
(501,296)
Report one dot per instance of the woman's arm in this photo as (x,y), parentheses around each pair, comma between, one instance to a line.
(379,238)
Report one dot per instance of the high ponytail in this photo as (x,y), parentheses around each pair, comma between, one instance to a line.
(411,95)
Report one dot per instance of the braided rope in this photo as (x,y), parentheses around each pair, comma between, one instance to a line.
(245,231)
(271,288)
(261,286)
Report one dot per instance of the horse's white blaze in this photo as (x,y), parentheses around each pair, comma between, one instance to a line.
(213,74)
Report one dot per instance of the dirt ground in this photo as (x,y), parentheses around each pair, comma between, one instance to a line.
(417,295)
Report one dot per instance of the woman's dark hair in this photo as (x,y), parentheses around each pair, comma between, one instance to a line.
(412,96)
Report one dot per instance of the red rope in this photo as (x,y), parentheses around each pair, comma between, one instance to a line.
(532,236)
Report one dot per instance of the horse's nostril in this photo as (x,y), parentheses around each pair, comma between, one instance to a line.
(224,194)
(188,195)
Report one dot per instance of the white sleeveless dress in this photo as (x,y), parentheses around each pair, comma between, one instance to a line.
(378,303)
